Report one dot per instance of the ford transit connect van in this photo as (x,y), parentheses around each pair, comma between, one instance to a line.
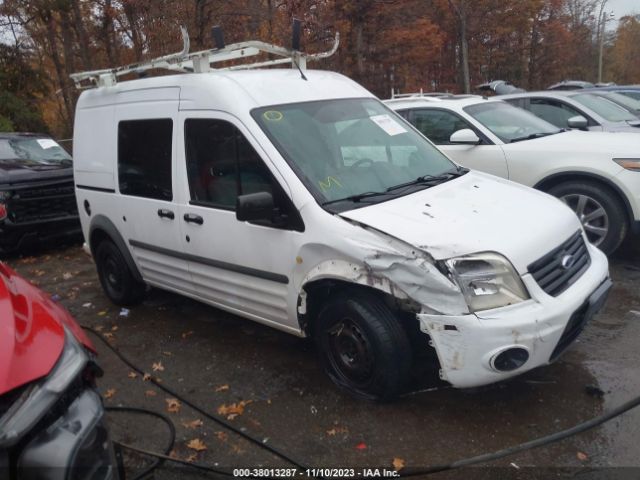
(296,199)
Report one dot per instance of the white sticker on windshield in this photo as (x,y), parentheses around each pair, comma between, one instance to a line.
(47,143)
(388,124)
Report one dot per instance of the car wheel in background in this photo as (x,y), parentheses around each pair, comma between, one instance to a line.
(363,347)
(116,277)
(599,209)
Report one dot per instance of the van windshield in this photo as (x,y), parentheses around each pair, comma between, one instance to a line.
(32,152)
(353,152)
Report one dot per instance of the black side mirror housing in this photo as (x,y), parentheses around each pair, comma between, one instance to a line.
(255,207)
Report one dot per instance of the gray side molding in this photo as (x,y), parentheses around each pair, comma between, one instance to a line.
(102,223)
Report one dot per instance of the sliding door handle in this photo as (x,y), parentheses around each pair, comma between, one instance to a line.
(193,218)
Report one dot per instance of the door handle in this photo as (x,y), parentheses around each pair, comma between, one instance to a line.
(164,213)
(193,218)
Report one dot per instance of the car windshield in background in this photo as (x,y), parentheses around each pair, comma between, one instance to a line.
(627,102)
(509,123)
(603,107)
(36,153)
(353,150)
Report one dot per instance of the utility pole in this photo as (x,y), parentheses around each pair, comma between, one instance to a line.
(602,24)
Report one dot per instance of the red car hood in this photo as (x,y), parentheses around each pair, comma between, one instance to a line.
(31,331)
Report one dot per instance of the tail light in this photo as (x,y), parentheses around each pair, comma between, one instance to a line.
(3,211)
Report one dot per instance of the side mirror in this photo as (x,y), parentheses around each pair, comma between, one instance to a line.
(577,122)
(255,206)
(466,136)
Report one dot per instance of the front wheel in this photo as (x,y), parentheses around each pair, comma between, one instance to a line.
(363,347)
(601,212)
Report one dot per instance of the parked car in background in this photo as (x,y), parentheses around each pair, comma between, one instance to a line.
(626,102)
(51,417)
(37,201)
(571,85)
(632,91)
(576,109)
(595,174)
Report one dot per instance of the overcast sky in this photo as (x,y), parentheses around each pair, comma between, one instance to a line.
(623,7)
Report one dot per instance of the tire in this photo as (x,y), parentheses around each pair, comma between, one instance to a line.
(362,346)
(116,277)
(599,209)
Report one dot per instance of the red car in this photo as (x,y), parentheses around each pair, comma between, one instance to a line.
(51,417)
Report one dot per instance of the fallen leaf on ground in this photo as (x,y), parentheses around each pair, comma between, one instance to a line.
(222,388)
(398,463)
(66,275)
(108,336)
(150,393)
(168,354)
(157,367)
(582,456)
(146,377)
(173,454)
(193,424)
(233,410)
(99,328)
(102,313)
(335,430)
(191,458)
(222,436)
(110,393)
(114,328)
(186,334)
(196,444)
(361,446)
(173,405)
(132,375)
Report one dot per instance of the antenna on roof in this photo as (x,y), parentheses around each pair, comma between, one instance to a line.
(218,37)
(200,62)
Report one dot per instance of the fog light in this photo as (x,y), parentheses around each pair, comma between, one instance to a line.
(510,359)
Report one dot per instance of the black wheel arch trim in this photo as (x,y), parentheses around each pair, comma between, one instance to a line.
(100,222)
(570,175)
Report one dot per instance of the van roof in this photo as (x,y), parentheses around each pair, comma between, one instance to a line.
(229,90)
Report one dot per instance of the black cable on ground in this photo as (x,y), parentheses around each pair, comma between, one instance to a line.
(159,458)
(539,442)
(466,462)
(221,421)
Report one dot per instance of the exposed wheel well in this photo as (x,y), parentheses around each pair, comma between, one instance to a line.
(550,182)
(317,292)
(97,236)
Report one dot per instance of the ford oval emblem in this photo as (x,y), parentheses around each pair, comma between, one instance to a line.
(568,261)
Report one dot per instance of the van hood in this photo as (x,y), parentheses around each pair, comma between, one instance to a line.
(608,144)
(31,331)
(475,213)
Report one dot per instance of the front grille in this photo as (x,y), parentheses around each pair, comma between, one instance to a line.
(562,267)
(42,203)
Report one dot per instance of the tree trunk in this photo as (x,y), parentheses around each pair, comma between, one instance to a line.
(83,38)
(49,21)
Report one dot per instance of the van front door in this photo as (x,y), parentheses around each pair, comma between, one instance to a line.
(243,267)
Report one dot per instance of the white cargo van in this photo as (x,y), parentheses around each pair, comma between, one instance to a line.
(297,199)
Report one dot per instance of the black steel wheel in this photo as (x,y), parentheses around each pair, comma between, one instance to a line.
(363,347)
(116,277)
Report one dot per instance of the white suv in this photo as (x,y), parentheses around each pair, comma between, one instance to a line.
(597,174)
(309,206)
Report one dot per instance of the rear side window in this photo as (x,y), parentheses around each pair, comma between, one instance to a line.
(144,158)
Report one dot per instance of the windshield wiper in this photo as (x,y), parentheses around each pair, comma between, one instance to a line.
(355,198)
(534,135)
(431,180)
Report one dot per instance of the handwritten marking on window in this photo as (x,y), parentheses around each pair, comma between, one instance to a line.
(328,183)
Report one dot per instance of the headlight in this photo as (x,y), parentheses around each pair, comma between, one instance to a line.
(632,164)
(39,398)
(487,281)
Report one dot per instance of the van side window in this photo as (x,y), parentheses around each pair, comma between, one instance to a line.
(144,158)
(222,164)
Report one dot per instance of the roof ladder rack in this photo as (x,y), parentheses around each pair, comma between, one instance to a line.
(200,62)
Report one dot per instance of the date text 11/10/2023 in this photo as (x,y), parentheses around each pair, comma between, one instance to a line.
(316,472)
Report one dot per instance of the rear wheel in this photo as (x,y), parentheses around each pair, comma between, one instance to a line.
(364,349)
(116,277)
(599,209)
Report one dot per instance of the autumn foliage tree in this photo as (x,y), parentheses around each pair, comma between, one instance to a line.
(401,45)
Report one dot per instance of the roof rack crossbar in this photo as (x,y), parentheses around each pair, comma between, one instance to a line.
(201,61)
